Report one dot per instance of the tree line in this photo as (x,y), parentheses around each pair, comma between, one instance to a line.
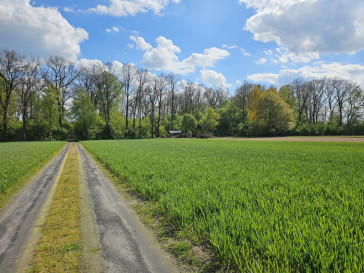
(56,99)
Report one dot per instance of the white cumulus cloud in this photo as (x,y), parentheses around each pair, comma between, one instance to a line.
(89,62)
(261,61)
(230,46)
(208,58)
(164,56)
(352,72)
(141,43)
(264,77)
(213,79)
(309,26)
(113,30)
(38,31)
(122,8)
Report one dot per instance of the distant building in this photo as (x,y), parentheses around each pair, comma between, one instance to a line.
(175,133)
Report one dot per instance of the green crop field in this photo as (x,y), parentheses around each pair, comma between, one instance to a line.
(262,206)
(18,158)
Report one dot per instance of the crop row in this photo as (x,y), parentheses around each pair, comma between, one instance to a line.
(262,206)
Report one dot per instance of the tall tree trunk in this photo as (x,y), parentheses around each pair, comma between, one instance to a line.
(172,110)
(127,116)
(5,124)
(59,113)
(24,125)
(340,109)
(152,126)
(159,119)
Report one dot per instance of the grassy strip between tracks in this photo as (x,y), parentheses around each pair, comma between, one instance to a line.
(59,249)
(8,194)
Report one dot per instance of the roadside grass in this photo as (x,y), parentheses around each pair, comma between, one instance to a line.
(19,169)
(59,249)
(192,255)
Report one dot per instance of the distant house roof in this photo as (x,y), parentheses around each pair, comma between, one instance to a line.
(175,132)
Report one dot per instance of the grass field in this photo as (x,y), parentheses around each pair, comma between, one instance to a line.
(18,158)
(262,206)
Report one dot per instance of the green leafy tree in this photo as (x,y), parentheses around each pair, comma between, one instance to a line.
(287,94)
(230,117)
(49,110)
(255,97)
(210,120)
(188,124)
(273,115)
(88,123)
(109,89)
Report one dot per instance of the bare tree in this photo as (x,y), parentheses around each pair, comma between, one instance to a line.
(303,98)
(198,98)
(160,86)
(60,74)
(29,85)
(188,93)
(109,88)
(211,99)
(241,98)
(128,74)
(172,81)
(152,95)
(355,104)
(316,89)
(141,82)
(216,97)
(331,98)
(342,88)
(11,70)
(88,80)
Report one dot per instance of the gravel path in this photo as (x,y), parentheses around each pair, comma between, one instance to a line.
(21,220)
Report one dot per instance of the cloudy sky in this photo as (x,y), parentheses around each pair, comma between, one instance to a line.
(214,42)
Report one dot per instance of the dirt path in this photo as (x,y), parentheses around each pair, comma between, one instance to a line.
(21,220)
(126,245)
(114,238)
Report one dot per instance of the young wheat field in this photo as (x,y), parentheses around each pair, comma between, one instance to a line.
(18,158)
(262,206)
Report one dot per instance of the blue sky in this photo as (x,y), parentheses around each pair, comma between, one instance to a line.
(214,42)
